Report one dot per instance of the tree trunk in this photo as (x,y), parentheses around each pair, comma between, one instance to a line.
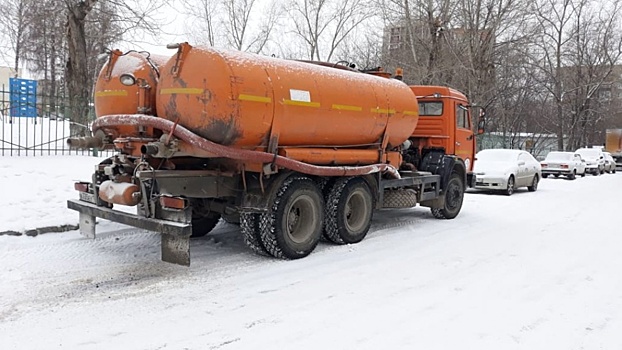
(77,70)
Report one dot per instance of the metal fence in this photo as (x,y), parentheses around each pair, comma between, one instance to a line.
(35,125)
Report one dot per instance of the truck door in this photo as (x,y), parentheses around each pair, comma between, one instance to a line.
(465,142)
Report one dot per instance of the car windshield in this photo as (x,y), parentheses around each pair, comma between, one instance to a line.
(496,156)
(588,152)
(559,156)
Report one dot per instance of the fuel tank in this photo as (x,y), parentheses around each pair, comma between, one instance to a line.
(251,101)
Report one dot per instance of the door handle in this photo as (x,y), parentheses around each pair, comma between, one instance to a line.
(457,143)
(470,137)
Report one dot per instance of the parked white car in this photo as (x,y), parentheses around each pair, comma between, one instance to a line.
(568,164)
(610,163)
(594,160)
(506,170)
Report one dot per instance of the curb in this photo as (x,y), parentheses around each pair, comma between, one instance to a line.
(40,231)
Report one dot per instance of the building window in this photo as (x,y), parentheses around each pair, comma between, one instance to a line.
(395,41)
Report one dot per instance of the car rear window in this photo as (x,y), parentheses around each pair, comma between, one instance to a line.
(587,152)
(496,155)
(559,156)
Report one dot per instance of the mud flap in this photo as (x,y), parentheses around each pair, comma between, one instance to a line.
(176,249)
(87,225)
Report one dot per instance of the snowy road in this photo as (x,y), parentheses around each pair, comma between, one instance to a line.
(531,271)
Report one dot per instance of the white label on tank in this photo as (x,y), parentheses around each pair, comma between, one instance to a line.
(299,95)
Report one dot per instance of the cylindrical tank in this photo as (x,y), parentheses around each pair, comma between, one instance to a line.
(250,101)
(113,97)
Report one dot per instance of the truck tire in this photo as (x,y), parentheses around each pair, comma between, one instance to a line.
(249,225)
(349,209)
(572,175)
(454,196)
(292,227)
(203,226)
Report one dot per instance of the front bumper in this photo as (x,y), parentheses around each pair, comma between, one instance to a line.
(490,182)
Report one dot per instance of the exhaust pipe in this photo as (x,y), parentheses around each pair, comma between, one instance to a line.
(85,142)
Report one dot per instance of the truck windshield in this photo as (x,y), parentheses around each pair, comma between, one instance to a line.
(431,108)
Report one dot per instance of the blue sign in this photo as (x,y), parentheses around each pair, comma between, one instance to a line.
(23,97)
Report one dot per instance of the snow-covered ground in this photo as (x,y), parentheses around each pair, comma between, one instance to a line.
(531,271)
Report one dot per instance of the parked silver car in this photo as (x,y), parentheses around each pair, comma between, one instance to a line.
(594,160)
(506,170)
(610,163)
(568,164)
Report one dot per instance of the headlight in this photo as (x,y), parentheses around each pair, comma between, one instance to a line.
(127,79)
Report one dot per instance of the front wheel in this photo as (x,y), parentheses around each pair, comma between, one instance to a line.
(510,188)
(454,195)
(534,184)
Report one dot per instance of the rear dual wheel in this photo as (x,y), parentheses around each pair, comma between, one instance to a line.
(292,227)
(349,209)
(249,225)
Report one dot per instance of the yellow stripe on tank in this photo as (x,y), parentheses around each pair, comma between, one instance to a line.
(105,93)
(382,111)
(347,108)
(254,98)
(410,113)
(187,91)
(301,103)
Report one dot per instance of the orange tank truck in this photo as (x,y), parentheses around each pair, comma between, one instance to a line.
(289,150)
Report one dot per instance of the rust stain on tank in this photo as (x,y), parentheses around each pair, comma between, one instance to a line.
(221,130)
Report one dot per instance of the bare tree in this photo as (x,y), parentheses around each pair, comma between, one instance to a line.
(323,25)
(205,14)
(46,50)
(129,15)
(594,52)
(418,37)
(14,23)
(575,55)
(237,24)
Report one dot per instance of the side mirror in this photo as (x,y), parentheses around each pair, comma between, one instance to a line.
(481,125)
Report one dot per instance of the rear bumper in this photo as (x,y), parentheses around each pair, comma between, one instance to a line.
(556,172)
(175,235)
